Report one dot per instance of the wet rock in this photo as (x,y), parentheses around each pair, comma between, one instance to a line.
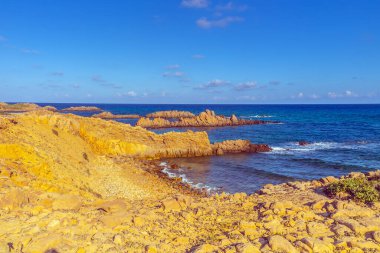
(303,143)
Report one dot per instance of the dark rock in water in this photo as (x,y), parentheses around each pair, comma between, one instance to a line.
(303,143)
(174,166)
(256,148)
(238,146)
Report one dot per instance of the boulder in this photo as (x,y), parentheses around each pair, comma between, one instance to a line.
(246,248)
(280,244)
(170,205)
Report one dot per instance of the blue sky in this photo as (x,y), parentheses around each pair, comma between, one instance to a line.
(190,51)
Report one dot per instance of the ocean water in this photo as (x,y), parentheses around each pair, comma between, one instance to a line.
(343,138)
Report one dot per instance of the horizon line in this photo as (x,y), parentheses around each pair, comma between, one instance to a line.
(107,103)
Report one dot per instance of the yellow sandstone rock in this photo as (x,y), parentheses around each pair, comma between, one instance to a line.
(77,184)
(280,244)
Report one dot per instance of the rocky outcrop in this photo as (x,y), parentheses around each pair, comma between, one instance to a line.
(109,115)
(204,119)
(238,146)
(303,143)
(82,109)
(23,107)
(114,138)
(170,114)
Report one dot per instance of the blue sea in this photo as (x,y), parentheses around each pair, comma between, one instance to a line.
(343,138)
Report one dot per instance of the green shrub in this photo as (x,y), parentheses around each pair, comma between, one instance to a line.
(359,189)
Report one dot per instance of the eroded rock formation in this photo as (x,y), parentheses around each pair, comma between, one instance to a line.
(204,119)
(23,107)
(170,114)
(109,115)
(238,146)
(82,109)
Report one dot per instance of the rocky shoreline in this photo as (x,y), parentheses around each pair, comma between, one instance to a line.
(77,184)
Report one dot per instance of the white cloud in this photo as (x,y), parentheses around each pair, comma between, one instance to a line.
(213,84)
(57,73)
(174,66)
(173,74)
(29,51)
(230,6)
(219,98)
(195,3)
(205,23)
(246,86)
(332,95)
(131,93)
(347,93)
(246,98)
(98,78)
(127,94)
(314,96)
(298,95)
(198,56)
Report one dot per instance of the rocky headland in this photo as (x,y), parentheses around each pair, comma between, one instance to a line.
(23,107)
(76,184)
(109,115)
(171,114)
(207,118)
(82,109)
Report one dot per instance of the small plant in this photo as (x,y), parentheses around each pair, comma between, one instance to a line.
(85,156)
(55,132)
(359,189)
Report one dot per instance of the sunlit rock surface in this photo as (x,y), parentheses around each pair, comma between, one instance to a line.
(204,119)
(109,115)
(170,114)
(77,184)
(82,109)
